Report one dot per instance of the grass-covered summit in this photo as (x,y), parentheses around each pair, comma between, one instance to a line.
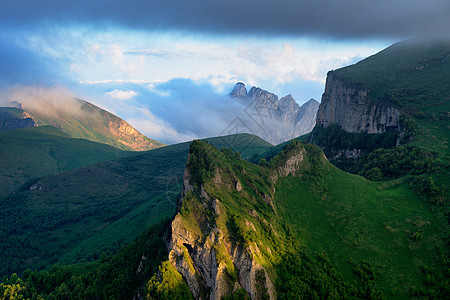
(412,75)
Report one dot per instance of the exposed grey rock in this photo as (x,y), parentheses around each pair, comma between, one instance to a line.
(204,269)
(239,91)
(290,166)
(350,108)
(353,153)
(238,186)
(275,120)
(35,187)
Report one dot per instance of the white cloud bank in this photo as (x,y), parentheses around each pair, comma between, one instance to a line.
(121,94)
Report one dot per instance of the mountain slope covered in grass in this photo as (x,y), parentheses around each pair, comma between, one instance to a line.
(78,119)
(411,76)
(405,90)
(365,239)
(76,215)
(33,152)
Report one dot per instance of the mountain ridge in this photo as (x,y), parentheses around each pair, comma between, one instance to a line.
(80,119)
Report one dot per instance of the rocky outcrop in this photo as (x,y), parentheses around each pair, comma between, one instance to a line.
(289,166)
(239,91)
(208,261)
(275,120)
(351,109)
(13,118)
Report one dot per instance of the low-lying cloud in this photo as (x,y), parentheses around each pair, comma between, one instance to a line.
(178,110)
(181,110)
(47,101)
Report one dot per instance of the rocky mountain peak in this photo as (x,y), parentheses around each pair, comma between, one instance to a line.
(312,101)
(256,92)
(288,103)
(239,91)
(78,119)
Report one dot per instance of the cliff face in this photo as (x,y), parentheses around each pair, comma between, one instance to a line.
(275,120)
(350,108)
(212,265)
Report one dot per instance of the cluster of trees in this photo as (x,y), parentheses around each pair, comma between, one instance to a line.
(436,285)
(404,160)
(200,163)
(334,138)
(113,277)
(425,185)
(30,233)
(386,164)
(302,274)
(168,284)
(382,159)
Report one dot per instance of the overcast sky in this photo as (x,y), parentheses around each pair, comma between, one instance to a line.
(139,58)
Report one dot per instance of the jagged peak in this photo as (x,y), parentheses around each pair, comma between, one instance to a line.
(255,91)
(312,100)
(288,97)
(288,100)
(239,90)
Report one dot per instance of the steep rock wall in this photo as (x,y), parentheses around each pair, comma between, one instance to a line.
(205,261)
(350,108)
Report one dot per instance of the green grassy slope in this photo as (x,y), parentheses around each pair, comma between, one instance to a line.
(81,119)
(38,151)
(355,220)
(246,144)
(413,76)
(77,215)
(274,150)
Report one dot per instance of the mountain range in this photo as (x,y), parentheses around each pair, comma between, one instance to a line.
(274,120)
(235,217)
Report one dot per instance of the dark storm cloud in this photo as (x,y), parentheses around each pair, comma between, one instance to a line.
(332,18)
